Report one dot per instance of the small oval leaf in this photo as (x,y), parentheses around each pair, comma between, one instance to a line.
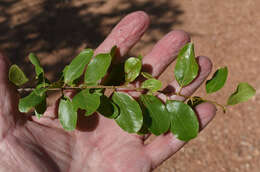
(130,118)
(184,122)
(97,69)
(156,116)
(132,68)
(217,81)
(86,101)
(16,76)
(152,85)
(30,101)
(35,61)
(243,93)
(67,114)
(186,69)
(76,68)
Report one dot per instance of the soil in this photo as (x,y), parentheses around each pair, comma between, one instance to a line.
(226,31)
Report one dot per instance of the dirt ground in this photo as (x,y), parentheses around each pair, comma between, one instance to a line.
(228,31)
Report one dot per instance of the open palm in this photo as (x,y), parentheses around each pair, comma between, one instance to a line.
(31,144)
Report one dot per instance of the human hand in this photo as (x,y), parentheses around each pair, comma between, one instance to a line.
(31,144)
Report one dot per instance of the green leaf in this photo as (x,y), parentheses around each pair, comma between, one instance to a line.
(30,101)
(40,108)
(157,117)
(147,75)
(16,76)
(108,108)
(217,81)
(133,68)
(152,85)
(186,69)
(97,69)
(67,114)
(130,118)
(77,66)
(243,93)
(86,101)
(35,61)
(184,122)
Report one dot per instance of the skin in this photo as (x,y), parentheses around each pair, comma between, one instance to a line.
(31,144)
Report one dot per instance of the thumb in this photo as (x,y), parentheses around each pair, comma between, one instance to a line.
(8,99)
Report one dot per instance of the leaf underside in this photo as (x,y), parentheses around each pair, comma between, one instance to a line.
(243,93)
(67,114)
(16,76)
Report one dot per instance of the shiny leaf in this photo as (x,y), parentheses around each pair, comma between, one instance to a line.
(86,101)
(130,118)
(217,81)
(243,93)
(76,68)
(152,85)
(133,67)
(156,116)
(186,69)
(67,114)
(184,122)
(97,69)
(16,76)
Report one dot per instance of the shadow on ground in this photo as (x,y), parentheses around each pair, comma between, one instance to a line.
(49,26)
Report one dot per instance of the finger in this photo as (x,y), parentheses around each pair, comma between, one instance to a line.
(205,67)
(164,52)
(166,145)
(8,99)
(162,55)
(126,33)
(52,111)
(163,147)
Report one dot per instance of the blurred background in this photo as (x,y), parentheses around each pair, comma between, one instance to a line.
(228,31)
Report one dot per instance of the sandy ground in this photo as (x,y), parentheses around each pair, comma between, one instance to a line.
(227,31)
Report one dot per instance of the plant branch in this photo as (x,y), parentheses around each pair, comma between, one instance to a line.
(62,88)
(81,87)
(217,104)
